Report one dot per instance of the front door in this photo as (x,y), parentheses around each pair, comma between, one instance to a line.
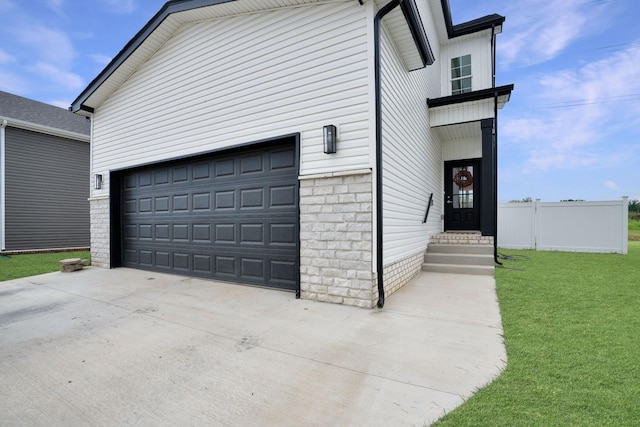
(462,195)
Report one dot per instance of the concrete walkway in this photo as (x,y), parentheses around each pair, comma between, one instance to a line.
(127,347)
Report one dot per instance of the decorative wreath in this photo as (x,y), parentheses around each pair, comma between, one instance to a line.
(463,178)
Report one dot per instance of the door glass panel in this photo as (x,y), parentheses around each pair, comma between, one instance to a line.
(462,187)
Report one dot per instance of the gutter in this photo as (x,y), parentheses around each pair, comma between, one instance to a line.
(378,96)
(3,125)
(34,127)
(495,145)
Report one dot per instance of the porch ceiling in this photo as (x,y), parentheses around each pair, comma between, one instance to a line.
(460,131)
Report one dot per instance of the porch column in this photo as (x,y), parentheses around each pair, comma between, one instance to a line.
(489,176)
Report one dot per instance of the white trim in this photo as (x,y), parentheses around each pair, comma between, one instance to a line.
(3,125)
(335,174)
(21,124)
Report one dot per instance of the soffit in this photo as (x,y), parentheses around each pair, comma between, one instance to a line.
(398,29)
(460,131)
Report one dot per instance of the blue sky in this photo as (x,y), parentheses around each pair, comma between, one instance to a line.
(570,131)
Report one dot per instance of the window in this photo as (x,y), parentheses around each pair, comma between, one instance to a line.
(463,187)
(461,75)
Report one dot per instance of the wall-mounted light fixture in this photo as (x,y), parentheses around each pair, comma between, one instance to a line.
(97,181)
(330,139)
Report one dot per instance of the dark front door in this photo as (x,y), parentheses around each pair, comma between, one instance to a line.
(462,195)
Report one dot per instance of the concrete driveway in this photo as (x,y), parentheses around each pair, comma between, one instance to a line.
(128,347)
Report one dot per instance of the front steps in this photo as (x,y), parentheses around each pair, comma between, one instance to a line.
(460,253)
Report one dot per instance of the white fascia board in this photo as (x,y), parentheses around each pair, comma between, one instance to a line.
(21,124)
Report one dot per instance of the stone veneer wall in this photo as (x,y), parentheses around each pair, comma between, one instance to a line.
(336,238)
(99,211)
(397,274)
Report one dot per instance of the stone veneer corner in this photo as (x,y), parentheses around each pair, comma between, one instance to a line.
(99,213)
(336,239)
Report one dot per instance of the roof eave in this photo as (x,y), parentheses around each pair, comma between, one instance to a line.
(470,27)
(418,32)
(471,96)
(174,6)
(44,129)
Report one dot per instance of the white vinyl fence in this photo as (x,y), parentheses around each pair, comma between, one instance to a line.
(565,226)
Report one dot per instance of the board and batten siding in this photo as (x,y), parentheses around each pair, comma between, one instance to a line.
(412,156)
(478,45)
(225,82)
(46,191)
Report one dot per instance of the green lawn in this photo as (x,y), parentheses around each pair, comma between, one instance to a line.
(572,331)
(16,266)
(634,229)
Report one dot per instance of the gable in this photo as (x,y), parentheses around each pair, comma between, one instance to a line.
(404,25)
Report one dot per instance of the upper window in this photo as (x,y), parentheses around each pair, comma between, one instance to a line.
(461,75)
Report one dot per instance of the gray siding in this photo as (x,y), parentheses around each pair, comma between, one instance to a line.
(46,191)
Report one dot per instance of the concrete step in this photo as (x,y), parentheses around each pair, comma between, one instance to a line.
(459,269)
(460,249)
(459,259)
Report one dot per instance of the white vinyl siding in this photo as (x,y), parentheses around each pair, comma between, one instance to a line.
(459,149)
(462,113)
(478,45)
(412,158)
(241,79)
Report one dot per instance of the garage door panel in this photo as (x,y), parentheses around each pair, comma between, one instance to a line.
(248,267)
(232,217)
(277,232)
(247,197)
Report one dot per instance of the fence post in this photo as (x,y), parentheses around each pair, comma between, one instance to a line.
(536,224)
(625,225)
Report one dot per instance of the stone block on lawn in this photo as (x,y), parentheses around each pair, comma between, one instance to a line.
(70,264)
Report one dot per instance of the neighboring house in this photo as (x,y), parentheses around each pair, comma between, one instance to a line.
(44,176)
(212,134)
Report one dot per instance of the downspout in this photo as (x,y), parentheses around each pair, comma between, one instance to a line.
(3,125)
(494,145)
(378,96)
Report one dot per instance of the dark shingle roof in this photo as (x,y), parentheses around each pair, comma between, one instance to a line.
(28,110)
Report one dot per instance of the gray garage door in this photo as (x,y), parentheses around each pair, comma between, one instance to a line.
(231,217)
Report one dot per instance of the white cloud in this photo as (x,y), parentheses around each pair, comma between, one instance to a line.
(101,59)
(59,103)
(123,7)
(58,76)
(56,5)
(5,58)
(539,30)
(13,83)
(49,45)
(612,185)
(6,5)
(567,131)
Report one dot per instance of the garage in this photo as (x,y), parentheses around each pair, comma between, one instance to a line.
(229,216)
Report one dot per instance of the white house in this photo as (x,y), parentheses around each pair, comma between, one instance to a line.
(212,142)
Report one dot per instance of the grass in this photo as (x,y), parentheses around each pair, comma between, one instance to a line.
(16,266)
(571,323)
(634,229)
